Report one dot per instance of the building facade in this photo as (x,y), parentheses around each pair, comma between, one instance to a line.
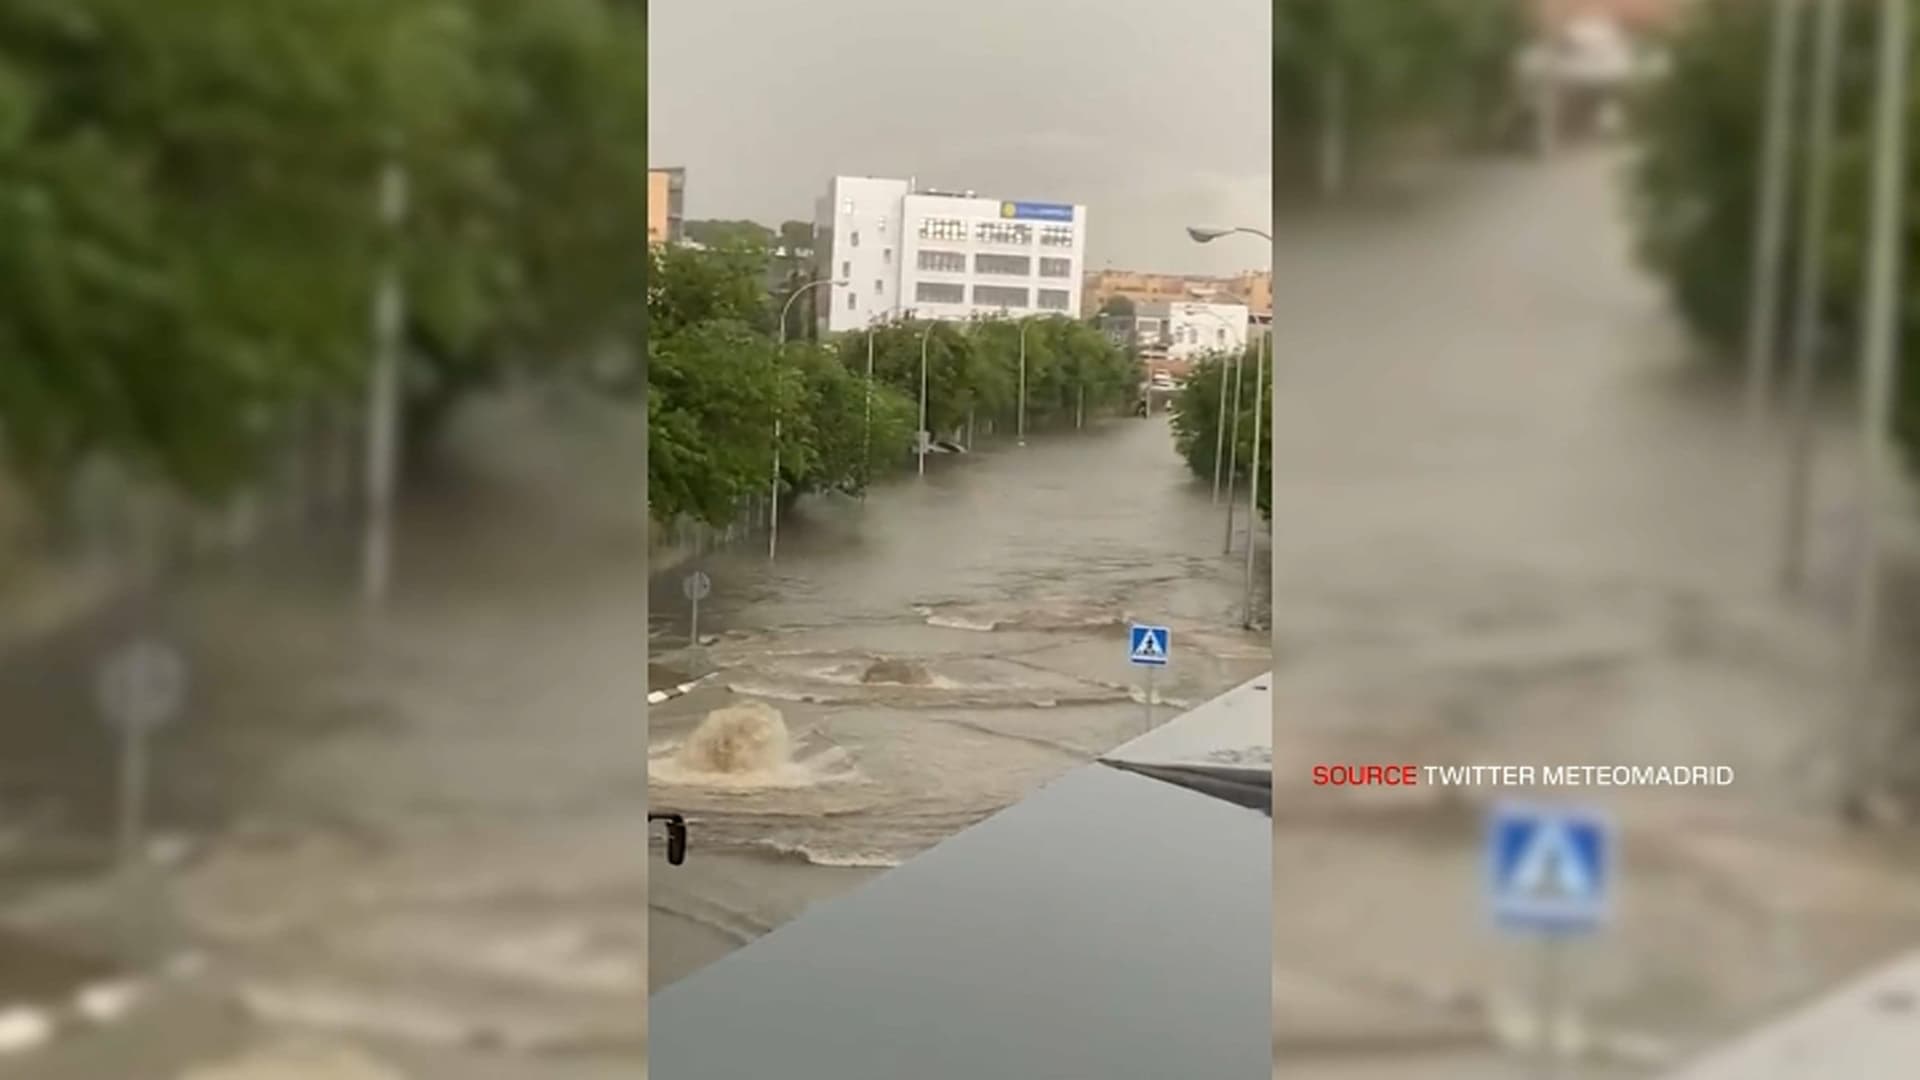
(903,251)
(666,205)
(1169,336)
(1252,288)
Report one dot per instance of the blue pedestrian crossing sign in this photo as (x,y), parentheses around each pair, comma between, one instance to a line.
(1549,869)
(1149,646)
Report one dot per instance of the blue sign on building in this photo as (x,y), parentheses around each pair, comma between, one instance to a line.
(1036,211)
(1548,869)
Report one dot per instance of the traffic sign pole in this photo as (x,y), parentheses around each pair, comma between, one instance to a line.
(1149,647)
(133,793)
(1552,988)
(695,587)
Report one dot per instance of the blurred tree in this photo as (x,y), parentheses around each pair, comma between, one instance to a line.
(836,430)
(1345,74)
(529,251)
(730,234)
(713,391)
(188,233)
(1198,416)
(185,225)
(1694,185)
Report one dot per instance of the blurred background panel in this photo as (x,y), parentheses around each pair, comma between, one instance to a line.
(322,538)
(1594,413)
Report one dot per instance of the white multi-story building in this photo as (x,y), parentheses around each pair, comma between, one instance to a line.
(942,255)
(1170,334)
(1193,330)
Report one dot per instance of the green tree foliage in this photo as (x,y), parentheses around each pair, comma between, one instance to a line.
(1198,415)
(1695,187)
(717,380)
(177,255)
(188,236)
(730,234)
(1373,68)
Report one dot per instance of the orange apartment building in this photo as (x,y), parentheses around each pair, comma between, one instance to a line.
(1636,17)
(1254,288)
(666,205)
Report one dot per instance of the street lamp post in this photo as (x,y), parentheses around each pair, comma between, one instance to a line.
(1220,434)
(384,389)
(866,437)
(923,436)
(1770,211)
(773,515)
(1879,365)
(1233,443)
(1253,489)
(1806,302)
(1025,325)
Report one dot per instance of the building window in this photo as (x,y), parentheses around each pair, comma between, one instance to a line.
(943,262)
(999,296)
(942,229)
(1054,300)
(1056,267)
(853,238)
(1056,236)
(883,225)
(846,269)
(1220,335)
(1013,265)
(879,287)
(1004,232)
(851,299)
(886,256)
(846,206)
(940,292)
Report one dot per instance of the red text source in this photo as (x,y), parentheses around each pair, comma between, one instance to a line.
(1365,775)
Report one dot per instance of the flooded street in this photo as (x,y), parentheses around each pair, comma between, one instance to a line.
(394,847)
(1517,524)
(913,663)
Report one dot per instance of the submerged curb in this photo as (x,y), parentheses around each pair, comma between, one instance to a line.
(656,697)
(25,1028)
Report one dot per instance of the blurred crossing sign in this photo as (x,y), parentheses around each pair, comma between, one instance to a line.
(141,686)
(1549,869)
(1149,646)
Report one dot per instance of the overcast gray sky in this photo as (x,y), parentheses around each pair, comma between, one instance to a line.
(1154,113)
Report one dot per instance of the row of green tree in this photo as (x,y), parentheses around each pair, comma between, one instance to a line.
(1348,76)
(721,378)
(1696,185)
(189,232)
(1199,415)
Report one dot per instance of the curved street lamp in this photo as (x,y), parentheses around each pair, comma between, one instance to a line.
(1206,234)
(773,517)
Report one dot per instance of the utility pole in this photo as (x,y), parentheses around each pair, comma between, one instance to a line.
(1882,317)
(866,439)
(383,392)
(1253,488)
(1220,433)
(1769,226)
(1809,290)
(1233,448)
